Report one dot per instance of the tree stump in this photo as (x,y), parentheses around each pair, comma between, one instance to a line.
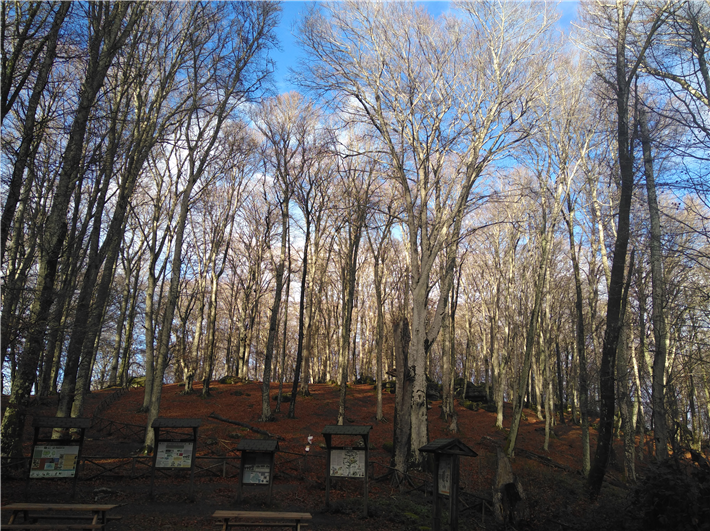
(509,503)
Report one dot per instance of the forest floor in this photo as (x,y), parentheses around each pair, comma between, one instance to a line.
(552,481)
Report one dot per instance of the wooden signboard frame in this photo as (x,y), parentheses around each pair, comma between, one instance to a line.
(446,453)
(47,461)
(257,453)
(169,452)
(355,460)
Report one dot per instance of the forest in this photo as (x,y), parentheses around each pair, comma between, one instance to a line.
(470,199)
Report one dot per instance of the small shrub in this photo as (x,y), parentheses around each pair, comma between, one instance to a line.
(285,398)
(675,494)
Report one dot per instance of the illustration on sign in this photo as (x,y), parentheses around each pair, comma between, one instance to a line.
(49,461)
(174,455)
(257,469)
(445,476)
(347,463)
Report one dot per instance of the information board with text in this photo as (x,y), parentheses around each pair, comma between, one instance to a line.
(347,463)
(257,469)
(174,455)
(54,461)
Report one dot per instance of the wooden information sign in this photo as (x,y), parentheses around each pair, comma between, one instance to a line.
(446,454)
(257,464)
(56,458)
(347,461)
(175,449)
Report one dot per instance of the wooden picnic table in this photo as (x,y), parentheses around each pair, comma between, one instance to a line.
(33,513)
(231,519)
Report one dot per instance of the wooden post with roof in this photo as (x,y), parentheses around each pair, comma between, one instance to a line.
(176,451)
(446,454)
(56,458)
(257,464)
(347,461)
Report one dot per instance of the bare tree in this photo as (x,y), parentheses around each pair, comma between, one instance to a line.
(30,35)
(284,123)
(445,97)
(311,196)
(378,238)
(236,167)
(358,176)
(111,25)
(555,153)
(228,66)
(618,68)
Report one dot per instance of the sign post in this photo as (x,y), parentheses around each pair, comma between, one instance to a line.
(56,458)
(257,464)
(446,454)
(347,461)
(176,452)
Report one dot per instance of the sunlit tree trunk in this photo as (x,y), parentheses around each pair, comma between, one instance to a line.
(622,379)
(284,334)
(581,339)
(624,74)
(658,295)
(402,429)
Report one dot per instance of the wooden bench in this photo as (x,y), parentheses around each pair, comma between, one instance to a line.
(33,513)
(232,519)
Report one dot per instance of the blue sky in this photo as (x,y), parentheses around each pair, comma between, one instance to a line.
(289,54)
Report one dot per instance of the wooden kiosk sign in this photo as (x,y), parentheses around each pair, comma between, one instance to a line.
(347,461)
(56,458)
(257,464)
(174,450)
(446,454)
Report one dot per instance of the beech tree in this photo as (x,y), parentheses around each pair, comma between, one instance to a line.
(284,122)
(357,178)
(312,198)
(554,153)
(30,36)
(228,66)
(111,24)
(446,98)
(618,69)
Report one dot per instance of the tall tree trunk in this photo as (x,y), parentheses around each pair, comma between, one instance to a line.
(379,333)
(560,382)
(622,379)
(530,338)
(403,398)
(28,127)
(284,336)
(658,295)
(581,339)
(301,315)
(211,339)
(446,400)
(453,426)
(621,81)
(123,311)
(638,412)
(168,314)
(349,275)
(266,414)
(128,334)
(83,317)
